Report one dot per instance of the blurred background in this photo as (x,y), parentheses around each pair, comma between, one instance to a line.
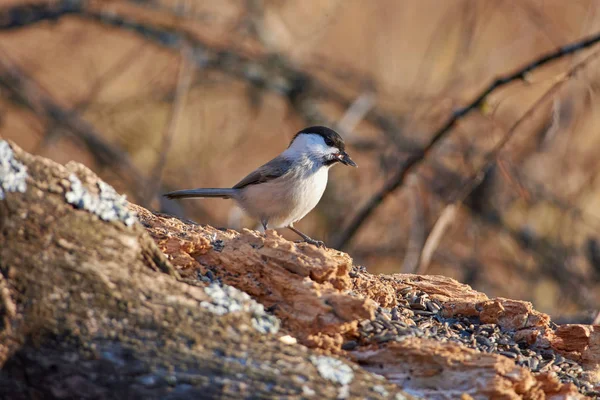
(158,95)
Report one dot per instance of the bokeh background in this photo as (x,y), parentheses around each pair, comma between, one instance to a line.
(157,95)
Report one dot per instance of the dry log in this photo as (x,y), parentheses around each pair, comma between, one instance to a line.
(95,304)
(90,308)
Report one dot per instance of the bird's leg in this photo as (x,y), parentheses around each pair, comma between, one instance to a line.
(307,238)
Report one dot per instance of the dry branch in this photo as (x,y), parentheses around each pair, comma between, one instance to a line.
(491,159)
(434,238)
(398,179)
(20,15)
(492,156)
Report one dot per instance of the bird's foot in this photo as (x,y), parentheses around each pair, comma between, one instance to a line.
(306,238)
(318,243)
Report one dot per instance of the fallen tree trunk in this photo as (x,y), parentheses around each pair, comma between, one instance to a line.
(90,308)
(97,305)
(411,349)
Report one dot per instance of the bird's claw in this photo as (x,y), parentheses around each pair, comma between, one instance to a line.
(318,243)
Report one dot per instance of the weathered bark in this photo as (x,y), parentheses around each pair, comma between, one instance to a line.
(305,286)
(299,282)
(92,309)
(449,371)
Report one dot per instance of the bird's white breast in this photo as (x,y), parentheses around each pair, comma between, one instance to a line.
(306,194)
(287,199)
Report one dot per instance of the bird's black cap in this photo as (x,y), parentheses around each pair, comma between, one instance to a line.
(331,137)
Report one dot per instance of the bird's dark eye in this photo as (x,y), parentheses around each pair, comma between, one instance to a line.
(328,142)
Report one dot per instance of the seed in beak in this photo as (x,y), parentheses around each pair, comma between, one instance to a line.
(345,159)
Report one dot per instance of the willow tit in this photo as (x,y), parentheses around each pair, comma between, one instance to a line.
(288,187)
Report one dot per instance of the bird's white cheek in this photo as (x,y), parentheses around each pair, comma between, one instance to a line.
(329,150)
(324,153)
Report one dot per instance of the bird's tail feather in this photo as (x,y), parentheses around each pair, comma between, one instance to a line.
(195,193)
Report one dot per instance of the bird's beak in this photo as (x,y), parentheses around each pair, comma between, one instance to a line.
(345,159)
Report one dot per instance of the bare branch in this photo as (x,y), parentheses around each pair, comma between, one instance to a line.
(417,235)
(435,237)
(356,113)
(491,158)
(596,320)
(396,181)
(18,16)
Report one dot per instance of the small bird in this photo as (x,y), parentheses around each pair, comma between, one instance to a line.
(284,190)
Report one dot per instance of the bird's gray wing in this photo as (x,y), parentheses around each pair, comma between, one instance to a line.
(265,173)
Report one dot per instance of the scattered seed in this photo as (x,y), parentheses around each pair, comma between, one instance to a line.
(417,315)
(425,325)
(422,312)
(404,291)
(431,306)
(350,345)
(534,364)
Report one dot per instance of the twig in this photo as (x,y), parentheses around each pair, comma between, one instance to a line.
(596,320)
(513,180)
(416,239)
(435,237)
(18,16)
(183,84)
(504,169)
(492,156)
(443,222)
(396,181)
(356,113)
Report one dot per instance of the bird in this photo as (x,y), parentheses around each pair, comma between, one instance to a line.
(285,189)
